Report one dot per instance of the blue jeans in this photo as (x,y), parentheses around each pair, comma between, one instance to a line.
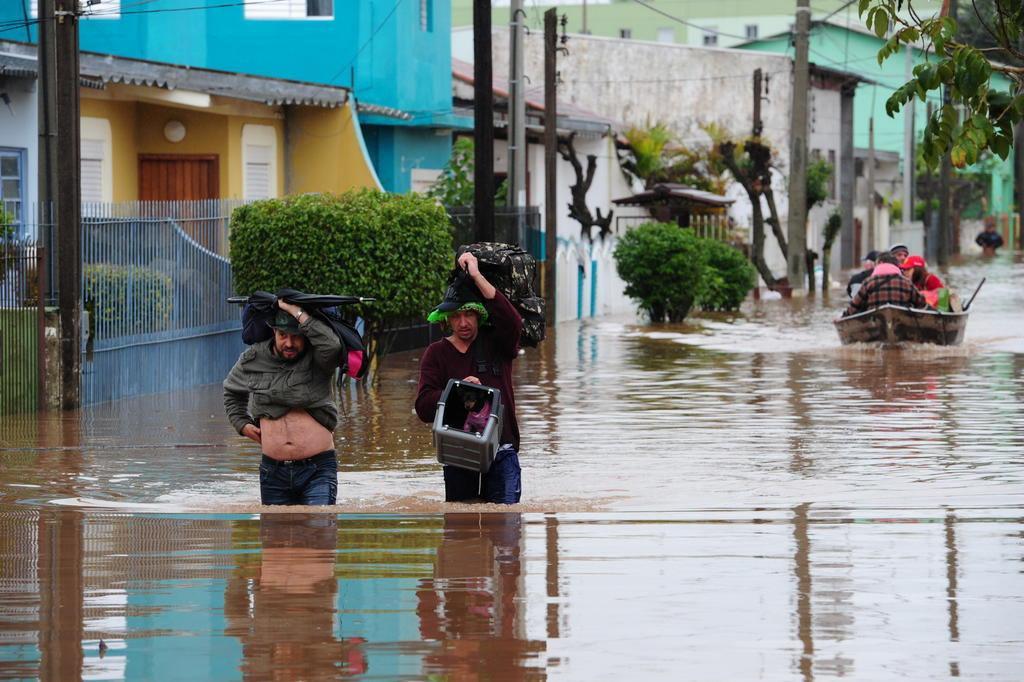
(502,484)
(302,481)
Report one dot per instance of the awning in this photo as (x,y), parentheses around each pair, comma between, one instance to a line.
(667,192)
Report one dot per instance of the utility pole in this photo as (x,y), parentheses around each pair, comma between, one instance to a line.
(849,247)
(483,123)
(797,218)
(945,175)
(1019,177)
(517,111)
(908,146)
(931,223)
(758,95)
(68,193)
(871,184)
(47,172)
(550,169)
(945,171)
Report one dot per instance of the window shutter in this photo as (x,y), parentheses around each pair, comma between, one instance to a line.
(92,171)
(276,9)
(257,171)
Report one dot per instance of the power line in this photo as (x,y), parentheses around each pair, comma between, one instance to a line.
(684,22)
(365,45)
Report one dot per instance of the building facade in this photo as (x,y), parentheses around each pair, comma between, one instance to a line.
(393,57)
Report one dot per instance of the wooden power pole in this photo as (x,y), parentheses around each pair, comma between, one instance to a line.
(68,196)
(550,169)
(797,218)
(483,123)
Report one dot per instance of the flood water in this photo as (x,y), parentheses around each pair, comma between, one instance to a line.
(738,497)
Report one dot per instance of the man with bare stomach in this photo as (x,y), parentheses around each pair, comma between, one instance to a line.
(279,395)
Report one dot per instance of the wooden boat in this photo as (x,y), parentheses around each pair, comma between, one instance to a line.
(891,324)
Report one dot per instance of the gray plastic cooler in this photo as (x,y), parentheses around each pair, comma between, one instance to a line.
(463,449)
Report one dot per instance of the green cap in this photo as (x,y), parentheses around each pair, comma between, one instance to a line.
(285,322)
(438,316)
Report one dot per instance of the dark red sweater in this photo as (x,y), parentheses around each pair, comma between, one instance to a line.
(498,343)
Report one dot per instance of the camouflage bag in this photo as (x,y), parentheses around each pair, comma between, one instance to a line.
(513,272)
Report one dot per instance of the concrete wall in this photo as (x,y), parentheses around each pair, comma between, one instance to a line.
(18,131)
(325,151)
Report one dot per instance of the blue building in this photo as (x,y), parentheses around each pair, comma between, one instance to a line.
(394,56)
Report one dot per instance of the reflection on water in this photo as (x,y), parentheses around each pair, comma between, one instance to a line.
(781,595)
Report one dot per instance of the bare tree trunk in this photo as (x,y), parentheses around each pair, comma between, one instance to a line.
(826,257)
(757,246)
(773,220)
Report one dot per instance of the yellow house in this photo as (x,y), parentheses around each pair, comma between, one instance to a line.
(160,132)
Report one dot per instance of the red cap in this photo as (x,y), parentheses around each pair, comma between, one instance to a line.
(913,262)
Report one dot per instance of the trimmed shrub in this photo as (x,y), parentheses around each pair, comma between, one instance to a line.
(394,248)
(127,299)
(662,266)
(727,279)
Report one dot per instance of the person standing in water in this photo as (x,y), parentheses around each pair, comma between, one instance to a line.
(287,382)
(480,348)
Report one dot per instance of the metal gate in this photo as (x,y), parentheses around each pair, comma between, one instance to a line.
(22,321)
(155,298)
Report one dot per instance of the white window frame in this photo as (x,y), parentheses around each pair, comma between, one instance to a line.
(21,155)
(752,31)
(264,138)
(106,9)
(626,33)
(285,10)
(97,139)
(710,36)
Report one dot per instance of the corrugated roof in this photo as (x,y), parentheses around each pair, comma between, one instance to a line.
(666,191)
(99,69)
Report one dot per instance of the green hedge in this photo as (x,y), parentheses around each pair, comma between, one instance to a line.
(395,248)
(727,279)
(668,270)
(661,265)
(107,289)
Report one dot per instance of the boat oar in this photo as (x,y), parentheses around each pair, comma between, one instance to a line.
(974,294)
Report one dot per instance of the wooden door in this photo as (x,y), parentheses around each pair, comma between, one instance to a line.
(178,177)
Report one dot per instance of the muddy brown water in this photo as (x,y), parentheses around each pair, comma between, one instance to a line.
(739,497)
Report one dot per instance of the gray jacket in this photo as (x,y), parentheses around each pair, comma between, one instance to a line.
(272,386)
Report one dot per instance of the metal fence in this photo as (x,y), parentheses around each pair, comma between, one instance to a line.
(22,325)
(154,287)
(511,226)
(707,226)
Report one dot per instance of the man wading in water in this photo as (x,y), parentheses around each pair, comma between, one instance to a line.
(484,341)
(293,414)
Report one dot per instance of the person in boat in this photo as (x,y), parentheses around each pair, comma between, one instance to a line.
(916,270)
(989,240)
(900,251)
(868,264)
(886,286)
(293,414)
(483,341)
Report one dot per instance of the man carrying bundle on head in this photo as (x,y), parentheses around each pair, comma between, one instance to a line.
(484,331)
(288,381)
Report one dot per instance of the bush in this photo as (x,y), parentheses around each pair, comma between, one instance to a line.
(396,249)
(727,279)
(127,299)
(662,266)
